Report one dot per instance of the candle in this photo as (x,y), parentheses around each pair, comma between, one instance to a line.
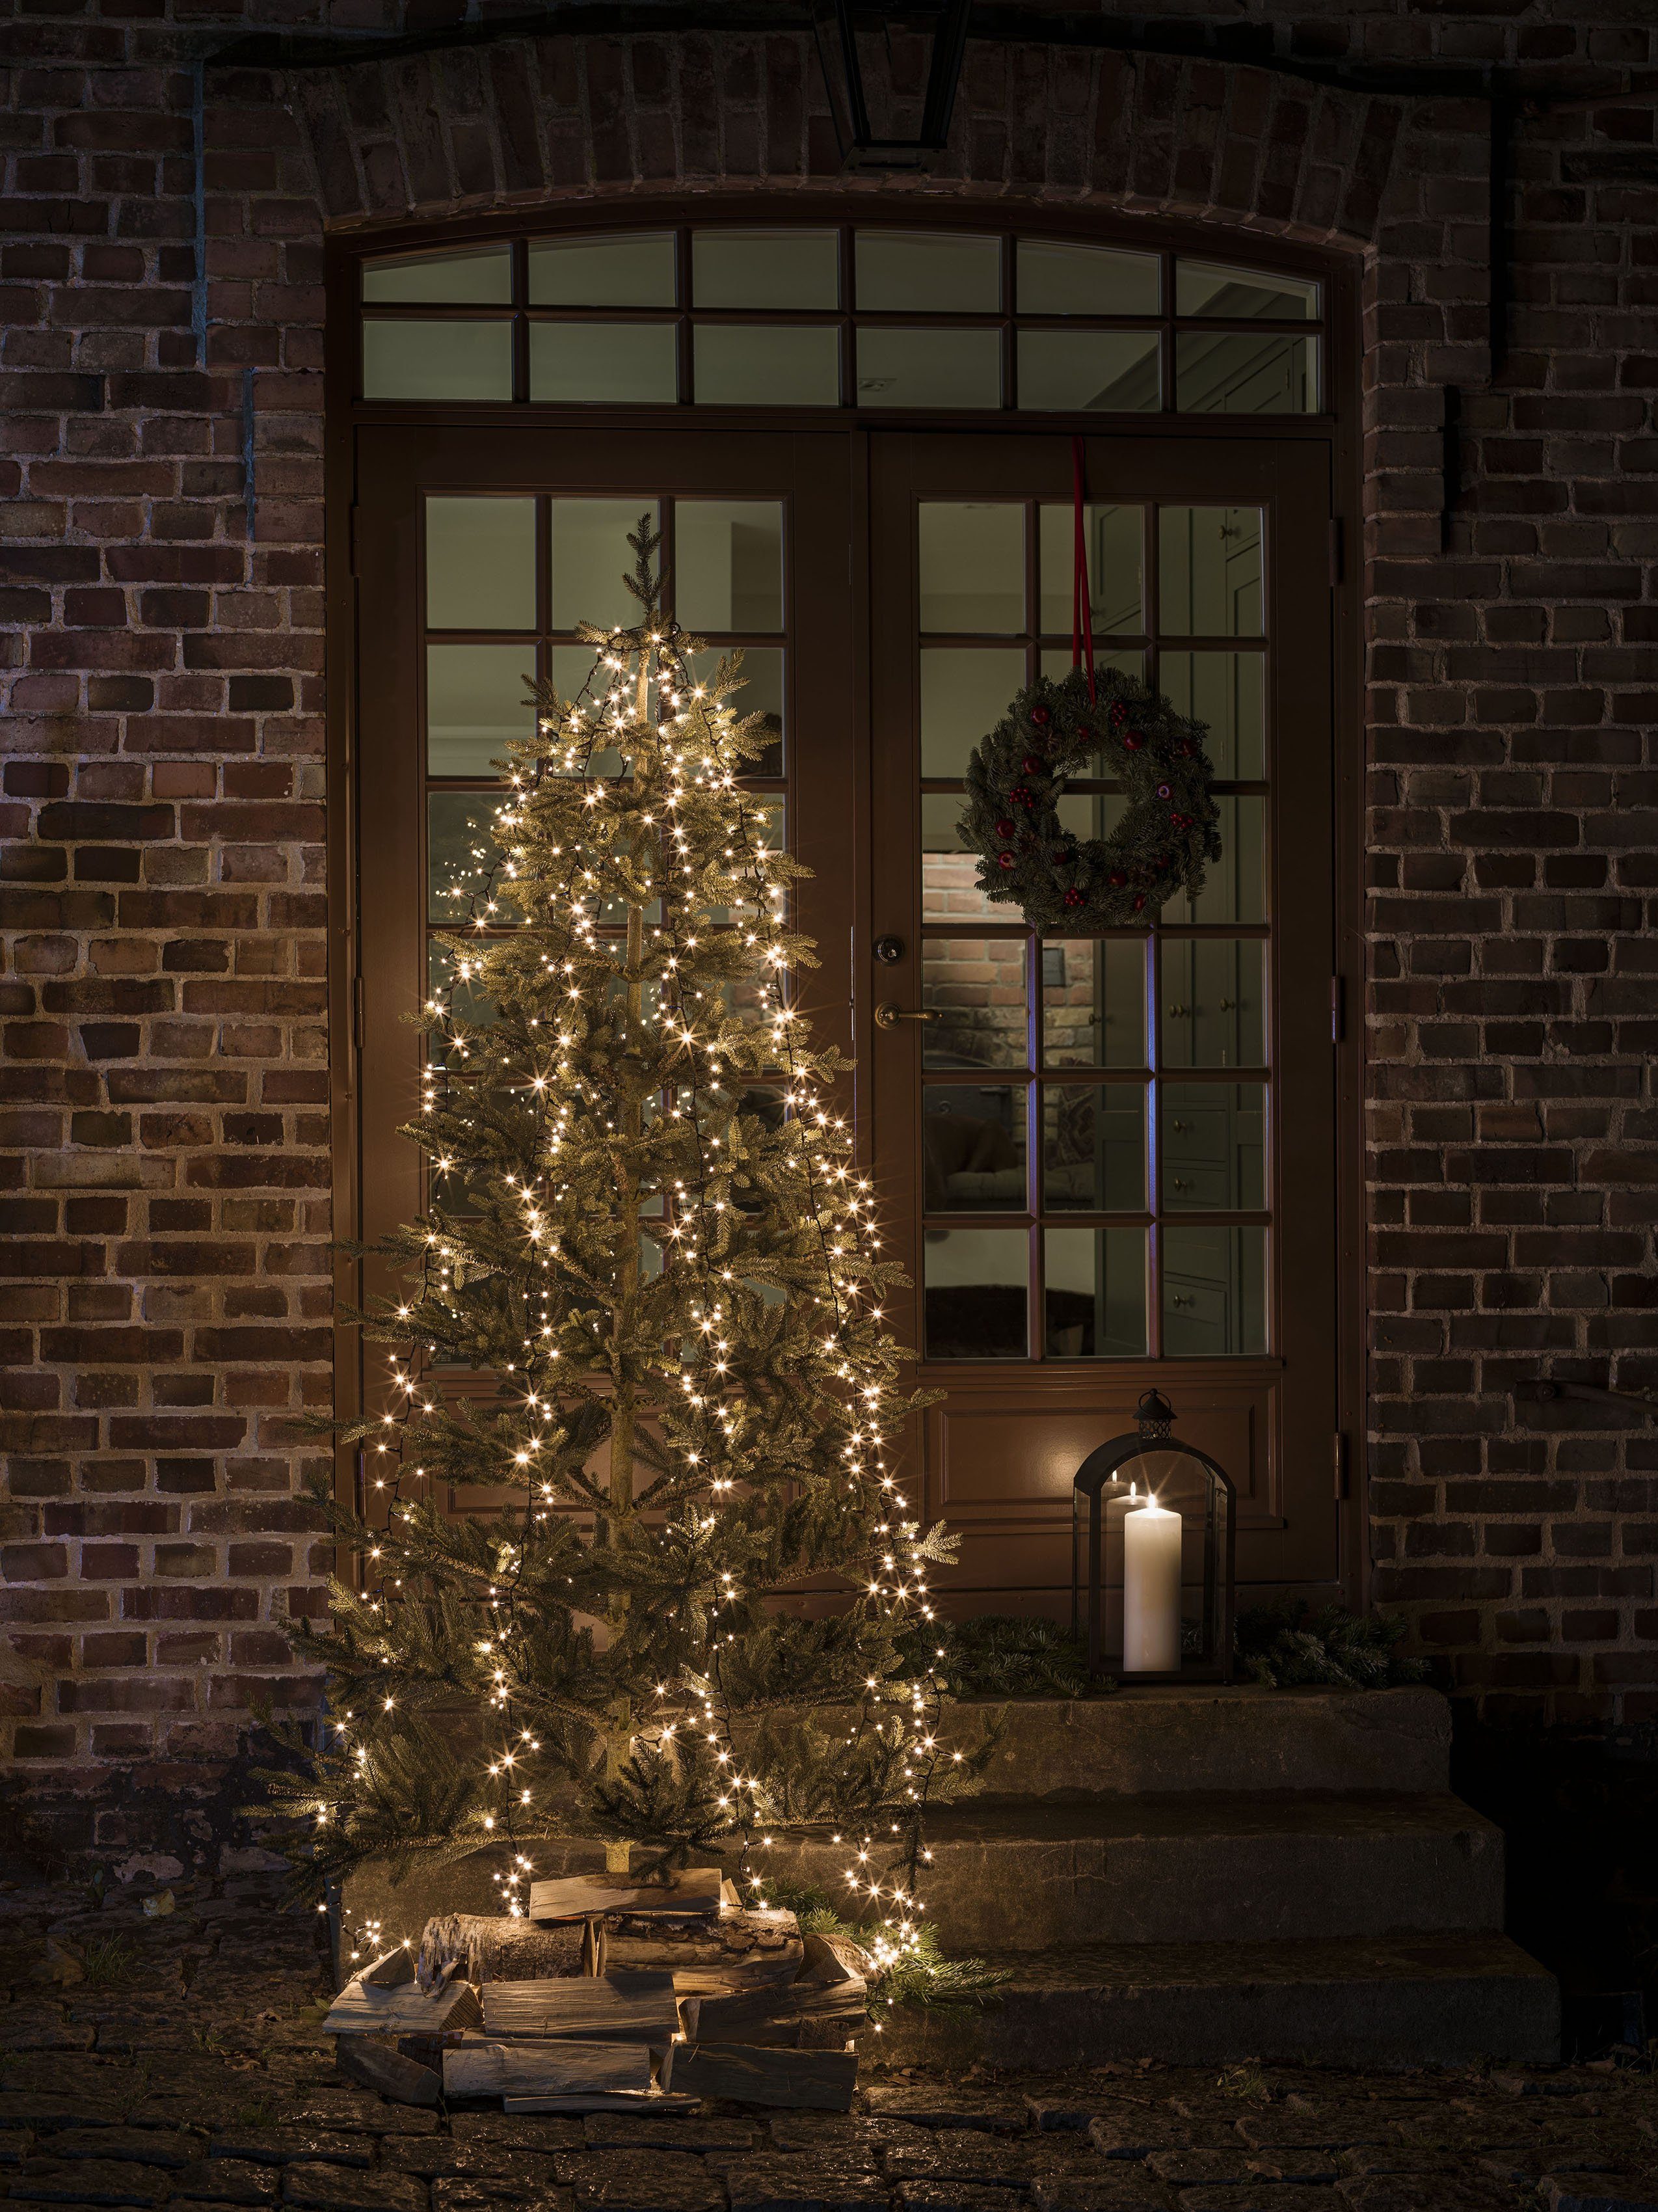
(1150,1590)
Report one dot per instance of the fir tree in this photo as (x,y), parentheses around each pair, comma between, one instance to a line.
(646,1224)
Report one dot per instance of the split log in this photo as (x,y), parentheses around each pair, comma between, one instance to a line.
(733,1950)
(837,1959)
(391,1971)
(546,2069)
(494,1948)
(406,2011)
(623,2102)
(576,1897)
(368,2063)
(775,2016)
(640,2009)
(814,2080)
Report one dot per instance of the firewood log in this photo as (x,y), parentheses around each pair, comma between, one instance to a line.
(637,2009)
(575,1897)
(490,1948)
(544,2069)
(816,2080)
(409,2010)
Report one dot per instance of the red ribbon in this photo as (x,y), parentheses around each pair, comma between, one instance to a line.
(1082,611)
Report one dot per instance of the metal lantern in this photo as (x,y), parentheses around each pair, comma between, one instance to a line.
(1160,1545)
(835,25)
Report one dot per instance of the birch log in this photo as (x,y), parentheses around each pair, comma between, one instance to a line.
(489,1947)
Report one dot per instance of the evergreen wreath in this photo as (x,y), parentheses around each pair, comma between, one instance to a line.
(1017,775)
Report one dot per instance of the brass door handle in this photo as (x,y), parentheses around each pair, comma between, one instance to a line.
(1181,1298)
(1179,1013)
(889,1016)
(1179,1185)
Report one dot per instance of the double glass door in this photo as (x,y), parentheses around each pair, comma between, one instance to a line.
(1081,1153)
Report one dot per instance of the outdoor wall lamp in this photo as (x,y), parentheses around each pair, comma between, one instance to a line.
(835,25)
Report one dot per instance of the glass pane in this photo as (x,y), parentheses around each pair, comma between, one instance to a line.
(906,272)
(761,693)
(1235,886)
(480,564)
(765,268)
(768,364)
(1093,1148)
(467,1001)
(1056,279)
(475,275)
(1095,814)
(1245,373)
(477,699)
(1226,691)
(625,364)
(1055,661)
(590,556)
(1214,1002)
(1202,289)
(1094,1293)
(728,563)
(973,1148)
(571,667)
(950,887)
(976,988)
(461,853)
(1093,1002)
(1113,538)
(965,693)
(410,360)
(1115,371)
(1214,1291)
(626,270)
(977,1293)
(1209,571)
(972,565)
(929,369)
(1212,1147)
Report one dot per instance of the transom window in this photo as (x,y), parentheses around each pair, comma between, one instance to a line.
(837,316)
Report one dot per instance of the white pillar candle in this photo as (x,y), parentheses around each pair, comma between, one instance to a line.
(1150,1591)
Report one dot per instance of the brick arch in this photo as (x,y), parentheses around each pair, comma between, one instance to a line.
(526,120)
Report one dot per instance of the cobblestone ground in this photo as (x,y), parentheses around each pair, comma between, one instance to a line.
(173,2059)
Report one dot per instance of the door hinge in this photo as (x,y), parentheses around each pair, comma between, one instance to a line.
(1338,1009)
(1338,550)
(358,1001)
(1339,1457)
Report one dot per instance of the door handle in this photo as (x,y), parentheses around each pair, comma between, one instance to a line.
(888,1016)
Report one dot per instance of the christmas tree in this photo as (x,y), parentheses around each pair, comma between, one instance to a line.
(646,1226)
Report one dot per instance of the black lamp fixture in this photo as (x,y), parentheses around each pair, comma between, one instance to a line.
(1161,1547)
(835,25)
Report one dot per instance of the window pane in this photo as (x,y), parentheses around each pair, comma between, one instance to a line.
(973,1148)
(929,369)
(950,886)
(965,693)
(903,272)
(461,853)
(1113,537)
(1245,373)
(1201,289)
(1209,571)
(1114,371)
(728,564)
(478,275)
(972,566)
(1235,886)
(590,556)
(625,364)
(1055,661)
(977,1293)
(761,693)
(1094,1293)
(1056,279)
(1212,1147)
(1093,1002)
(1214,1002)
(411,360)
(765,268)
(477,699)
(1214,1292)
(631,270)
(976,988)
(1093,1148)
(768,365)
(468,1001)
(480,564)
(1224,690)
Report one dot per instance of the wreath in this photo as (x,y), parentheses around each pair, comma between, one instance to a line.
(1018,774)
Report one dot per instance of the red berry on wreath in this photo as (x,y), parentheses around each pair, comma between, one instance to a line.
(1003,829)
(1117,714)
(1117,879)
(1032,764)
(1005,859)
(1021,795)
(1139,900)
(1039,715)
(1132,741)
(1073,897)
(1189,749)
(1087,735)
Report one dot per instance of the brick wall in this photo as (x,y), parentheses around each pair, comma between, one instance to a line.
(164,1276)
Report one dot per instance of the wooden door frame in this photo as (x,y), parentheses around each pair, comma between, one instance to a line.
(1338,429)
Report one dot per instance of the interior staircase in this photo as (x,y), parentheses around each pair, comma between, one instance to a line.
(1196,1874)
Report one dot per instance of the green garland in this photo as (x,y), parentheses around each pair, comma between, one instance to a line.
(1018,774)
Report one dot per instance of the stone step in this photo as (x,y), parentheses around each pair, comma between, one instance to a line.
(1180,1866)
(1445,2000)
